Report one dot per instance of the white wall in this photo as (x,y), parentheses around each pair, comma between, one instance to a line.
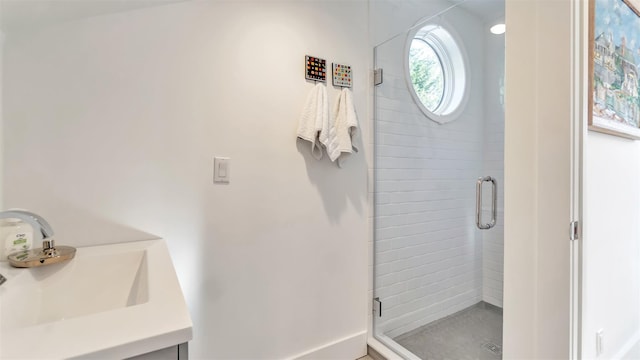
(389,18)
(1,120)
(611,252)
(428,251)
(111,125)
(538,167)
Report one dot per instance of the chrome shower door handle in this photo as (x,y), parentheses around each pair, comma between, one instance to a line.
(494,202)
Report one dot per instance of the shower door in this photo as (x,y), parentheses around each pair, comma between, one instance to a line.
(439,130)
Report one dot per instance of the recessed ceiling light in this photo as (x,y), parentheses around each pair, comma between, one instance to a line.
(498,29)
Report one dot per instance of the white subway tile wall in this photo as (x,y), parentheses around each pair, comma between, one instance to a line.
(428,256)
(430,260)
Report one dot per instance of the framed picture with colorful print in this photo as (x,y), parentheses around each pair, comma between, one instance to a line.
(614,60)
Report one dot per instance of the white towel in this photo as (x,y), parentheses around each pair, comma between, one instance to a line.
(314,118)
(343,128)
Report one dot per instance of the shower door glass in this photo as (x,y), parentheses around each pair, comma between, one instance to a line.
(439,128)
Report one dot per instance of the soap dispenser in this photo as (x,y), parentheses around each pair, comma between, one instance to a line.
(15,235)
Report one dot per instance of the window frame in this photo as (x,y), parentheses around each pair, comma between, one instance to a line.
(450,50)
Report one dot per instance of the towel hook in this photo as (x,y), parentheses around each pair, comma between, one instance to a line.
(315,69)
(341,75)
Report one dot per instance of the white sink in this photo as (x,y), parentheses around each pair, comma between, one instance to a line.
(111,301)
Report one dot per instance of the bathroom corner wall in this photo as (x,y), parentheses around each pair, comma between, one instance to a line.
(611,252)
(111,126)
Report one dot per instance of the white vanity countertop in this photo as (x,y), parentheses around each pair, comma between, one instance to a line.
(111,301)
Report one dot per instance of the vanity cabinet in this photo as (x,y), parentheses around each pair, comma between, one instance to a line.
(179,352)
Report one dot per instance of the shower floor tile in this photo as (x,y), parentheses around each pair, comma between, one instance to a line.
(472,333)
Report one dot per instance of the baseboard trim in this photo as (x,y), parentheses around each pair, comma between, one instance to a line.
(348,348)
(374,354)
(627,346)
(492,301)
(382,349)
(384,345)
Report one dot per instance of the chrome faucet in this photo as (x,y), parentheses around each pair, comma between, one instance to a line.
(38,223)
(49,254)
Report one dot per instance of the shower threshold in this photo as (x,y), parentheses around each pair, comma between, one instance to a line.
(472,333)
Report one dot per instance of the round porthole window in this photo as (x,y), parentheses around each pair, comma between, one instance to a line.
(436,73)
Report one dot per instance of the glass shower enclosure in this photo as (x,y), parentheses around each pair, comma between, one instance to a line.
(438,175)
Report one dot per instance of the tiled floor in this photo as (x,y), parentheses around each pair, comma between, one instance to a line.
(473,333)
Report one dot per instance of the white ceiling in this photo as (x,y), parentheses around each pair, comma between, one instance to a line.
(29,14)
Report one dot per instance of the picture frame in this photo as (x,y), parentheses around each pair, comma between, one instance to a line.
(614,59)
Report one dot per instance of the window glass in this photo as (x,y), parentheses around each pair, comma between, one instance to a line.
(436,71)
(427,74)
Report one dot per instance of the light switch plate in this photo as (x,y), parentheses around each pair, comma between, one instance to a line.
(221,169)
